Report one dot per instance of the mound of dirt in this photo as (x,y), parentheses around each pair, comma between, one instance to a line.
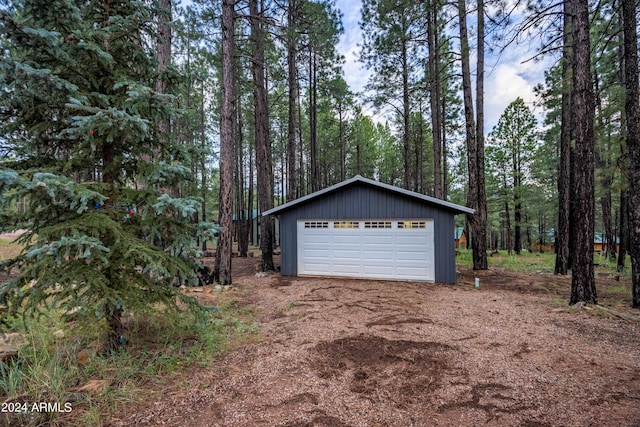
(405,372)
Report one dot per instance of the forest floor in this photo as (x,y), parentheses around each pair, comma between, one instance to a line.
(339,352)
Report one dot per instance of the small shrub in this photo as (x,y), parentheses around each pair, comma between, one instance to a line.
(161,344)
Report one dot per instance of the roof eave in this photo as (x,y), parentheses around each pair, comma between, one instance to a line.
(358,178)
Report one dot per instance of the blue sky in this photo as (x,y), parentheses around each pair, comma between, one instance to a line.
(506,77)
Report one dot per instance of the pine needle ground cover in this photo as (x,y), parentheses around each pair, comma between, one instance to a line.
(348,352)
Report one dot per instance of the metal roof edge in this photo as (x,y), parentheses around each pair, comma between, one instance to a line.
(311,196)
(358,178)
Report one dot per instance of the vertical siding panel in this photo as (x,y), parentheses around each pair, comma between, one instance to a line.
(365,203)
(320,211)
(368,207)
(447,256)
(348,204)
(353,197)
(375,204)
(372,204)
(439,256)
(288,244)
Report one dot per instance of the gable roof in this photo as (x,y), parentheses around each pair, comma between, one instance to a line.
(386,187)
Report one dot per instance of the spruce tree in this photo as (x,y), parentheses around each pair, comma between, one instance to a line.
(86,166)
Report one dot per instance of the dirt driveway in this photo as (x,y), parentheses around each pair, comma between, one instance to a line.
(338,352)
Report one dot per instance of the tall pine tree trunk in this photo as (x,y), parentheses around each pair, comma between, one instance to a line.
(434,97)
(470,127)
(243,213)
(418,138)
(263,148)
(302,184)
(223,252)
(517,201)
(406,142)
(517,227)
(623,226)
(250,196)
(476,194)
(583,287)
(623,230)
(632,110)
(313,122)
(566,131)
(203,164)
(443,124)
(292,78)
(480,258)
(342,142)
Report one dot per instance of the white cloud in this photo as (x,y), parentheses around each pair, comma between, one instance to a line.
(513,77)
(355,73)
(502,87)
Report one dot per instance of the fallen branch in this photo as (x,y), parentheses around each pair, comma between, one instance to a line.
(624,316)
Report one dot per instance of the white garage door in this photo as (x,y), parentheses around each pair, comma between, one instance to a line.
(380,249)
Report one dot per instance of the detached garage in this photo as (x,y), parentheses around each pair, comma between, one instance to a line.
(366,229)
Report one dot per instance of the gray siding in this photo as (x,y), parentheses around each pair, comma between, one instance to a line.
(361,201)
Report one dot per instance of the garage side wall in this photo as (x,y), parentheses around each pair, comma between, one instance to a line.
(366,202)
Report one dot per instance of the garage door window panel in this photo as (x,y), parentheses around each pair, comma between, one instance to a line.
(412,224)
(316,224)
(346,224)
(377,224)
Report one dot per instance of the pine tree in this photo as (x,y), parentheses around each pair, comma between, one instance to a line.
(264,158)
(476,197)
(227,110)
(78,108)
(513,145)
(583,288)
(395,37)
(632,109)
